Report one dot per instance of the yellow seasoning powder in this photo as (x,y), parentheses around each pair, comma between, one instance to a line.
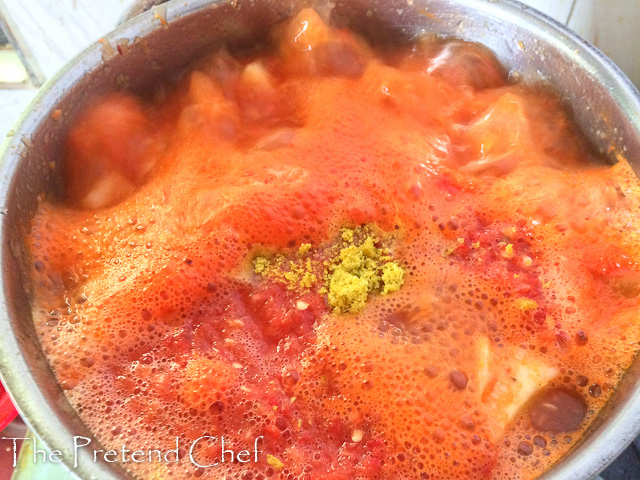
(355,270)
(358,270)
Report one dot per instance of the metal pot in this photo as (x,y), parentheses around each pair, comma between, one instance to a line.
(163,40)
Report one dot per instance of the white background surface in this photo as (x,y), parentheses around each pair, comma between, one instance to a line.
(57,30)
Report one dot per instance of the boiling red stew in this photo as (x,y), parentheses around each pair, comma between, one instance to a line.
(389,263)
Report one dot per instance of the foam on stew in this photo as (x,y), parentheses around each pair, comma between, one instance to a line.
(517,313)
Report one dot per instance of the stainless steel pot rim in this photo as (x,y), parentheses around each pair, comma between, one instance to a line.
(594,454)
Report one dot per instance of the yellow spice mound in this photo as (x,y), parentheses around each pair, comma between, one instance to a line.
(356,269)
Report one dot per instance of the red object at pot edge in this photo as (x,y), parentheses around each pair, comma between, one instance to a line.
(7,411)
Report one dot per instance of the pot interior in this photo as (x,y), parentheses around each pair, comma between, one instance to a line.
(161,42)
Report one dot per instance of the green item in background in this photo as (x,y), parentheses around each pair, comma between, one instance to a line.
(27,469)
